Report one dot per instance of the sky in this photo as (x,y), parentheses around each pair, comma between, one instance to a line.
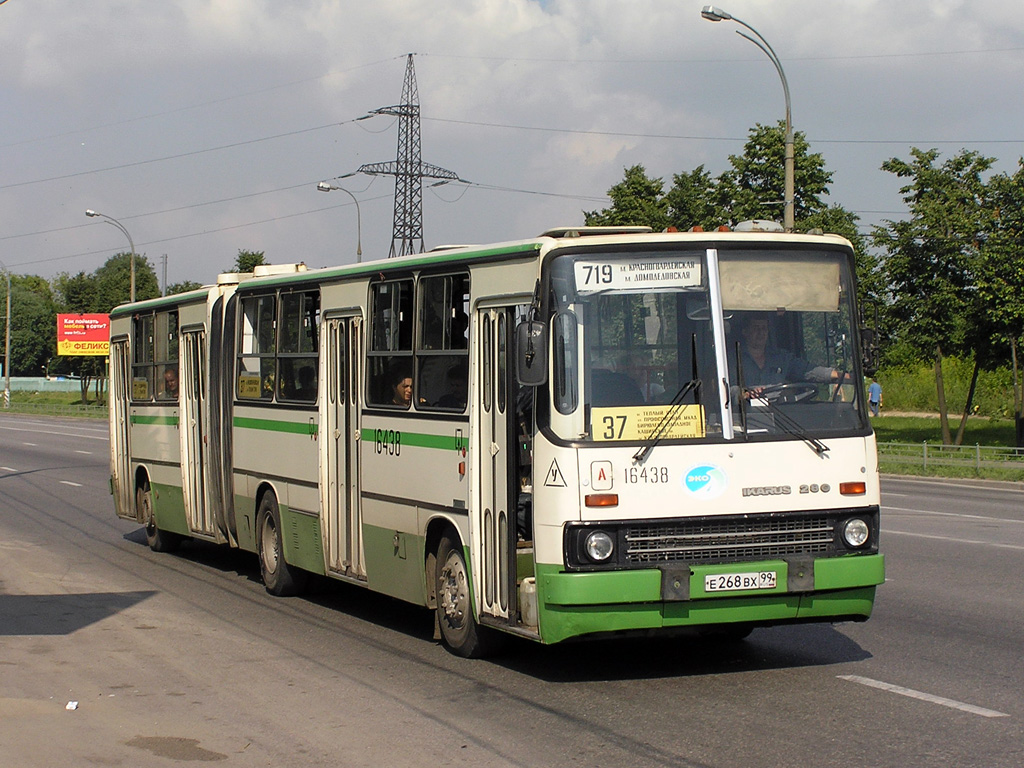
(203,126)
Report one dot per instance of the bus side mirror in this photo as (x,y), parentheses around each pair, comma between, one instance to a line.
(531,357)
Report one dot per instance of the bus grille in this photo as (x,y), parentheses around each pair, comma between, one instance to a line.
(708,540)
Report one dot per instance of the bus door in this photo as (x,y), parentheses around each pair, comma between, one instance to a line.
(192,432)
(494,537)
(120,456)
(339,457)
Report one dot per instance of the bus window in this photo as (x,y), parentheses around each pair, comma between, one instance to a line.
(166,355)
(142,362)
(442,361)
(256,369)
(298,348)
(389,358)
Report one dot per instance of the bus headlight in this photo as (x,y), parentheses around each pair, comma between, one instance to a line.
(598,546)
(856,532)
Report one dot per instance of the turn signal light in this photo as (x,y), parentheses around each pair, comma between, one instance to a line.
(601,499)
(858,488)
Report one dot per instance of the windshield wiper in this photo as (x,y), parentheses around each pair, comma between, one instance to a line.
(659,432)
(791,426)
(782,420)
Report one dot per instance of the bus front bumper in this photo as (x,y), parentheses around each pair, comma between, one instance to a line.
(827,589)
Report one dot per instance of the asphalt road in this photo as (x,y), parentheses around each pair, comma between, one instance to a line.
(184,658)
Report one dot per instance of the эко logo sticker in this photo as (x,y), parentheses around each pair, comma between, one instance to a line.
(705,481)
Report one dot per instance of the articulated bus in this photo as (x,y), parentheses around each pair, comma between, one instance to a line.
(598,431)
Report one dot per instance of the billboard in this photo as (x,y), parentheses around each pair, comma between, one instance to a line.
(83,334)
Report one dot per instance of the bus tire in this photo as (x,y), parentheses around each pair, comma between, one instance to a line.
(158,540)
(459,630)
(279,578)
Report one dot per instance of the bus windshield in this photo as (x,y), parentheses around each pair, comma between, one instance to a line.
(636,337)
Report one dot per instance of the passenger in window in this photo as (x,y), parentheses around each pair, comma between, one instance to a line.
(457,388)
(171,384)
(401,390)
(306,389)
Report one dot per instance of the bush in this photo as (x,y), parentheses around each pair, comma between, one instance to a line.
(911,388)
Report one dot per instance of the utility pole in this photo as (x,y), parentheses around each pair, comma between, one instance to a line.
(408,169)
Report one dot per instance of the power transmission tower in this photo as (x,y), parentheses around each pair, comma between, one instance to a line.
(409,169)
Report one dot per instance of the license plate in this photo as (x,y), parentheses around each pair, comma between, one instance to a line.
(737,582)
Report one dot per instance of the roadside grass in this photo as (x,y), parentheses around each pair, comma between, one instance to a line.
(926,429)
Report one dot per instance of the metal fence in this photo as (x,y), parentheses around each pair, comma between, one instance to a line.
(931,456)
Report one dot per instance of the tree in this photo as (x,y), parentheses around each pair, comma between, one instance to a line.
(183,287)
(755,186)
(933,260)
(636,201)
(1001,275)
(33,324)
(695,201)
(247,260)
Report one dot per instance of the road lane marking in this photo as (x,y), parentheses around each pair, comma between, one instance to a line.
(68,482)
(87,453)
(953,514)
(66,433)
(1016,547)
(31,444)
(910,692)
(8,469)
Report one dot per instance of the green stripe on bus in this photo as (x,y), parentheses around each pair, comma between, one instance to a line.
(419,440)
(171,421)
(270,425)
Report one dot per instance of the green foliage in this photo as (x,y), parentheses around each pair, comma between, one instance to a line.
(755,186)
(33,324)
(636,200)
(183,287)
(933,258)
(910,388)
(247,260)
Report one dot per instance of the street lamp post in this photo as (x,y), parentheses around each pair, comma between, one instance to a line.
(325,186)
(711,13)
(111,220)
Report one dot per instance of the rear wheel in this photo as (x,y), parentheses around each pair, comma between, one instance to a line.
(279,578)
(158,540)
(459,630)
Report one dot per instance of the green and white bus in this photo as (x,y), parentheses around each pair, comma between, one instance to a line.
(597,431)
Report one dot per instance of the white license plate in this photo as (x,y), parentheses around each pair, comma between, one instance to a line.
(737,582)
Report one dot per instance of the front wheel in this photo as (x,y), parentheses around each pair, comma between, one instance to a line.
(158,540)
(459,630)
(279,578)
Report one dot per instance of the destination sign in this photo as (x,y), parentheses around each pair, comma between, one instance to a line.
(637,274)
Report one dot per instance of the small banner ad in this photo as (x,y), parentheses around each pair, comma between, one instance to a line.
(83,334)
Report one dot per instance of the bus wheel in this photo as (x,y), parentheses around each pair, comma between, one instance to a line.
(459,629)
(158,540)
(279,578)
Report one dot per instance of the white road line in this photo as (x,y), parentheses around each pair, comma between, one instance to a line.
(952,514)
(87,453)
(923,696)
(890,532)
(31,444)
(79,435)
(68,482)
(8,469)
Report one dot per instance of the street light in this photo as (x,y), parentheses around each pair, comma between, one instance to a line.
(711,13)
(325,186)
(111,220)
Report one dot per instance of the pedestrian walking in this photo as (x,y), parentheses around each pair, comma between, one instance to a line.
(874,396)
